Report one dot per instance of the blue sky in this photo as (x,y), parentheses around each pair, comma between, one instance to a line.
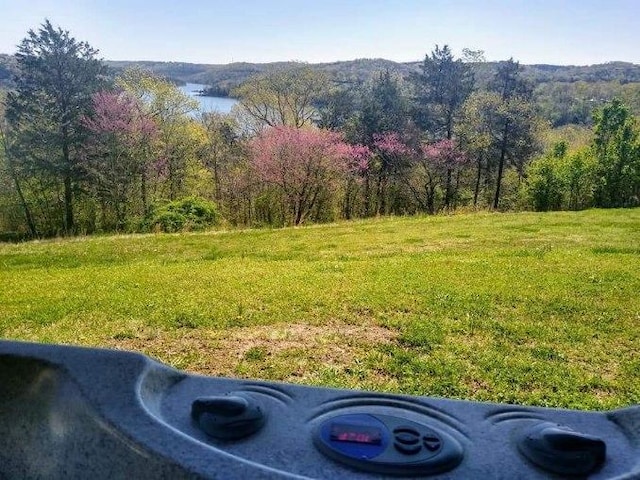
(565,32)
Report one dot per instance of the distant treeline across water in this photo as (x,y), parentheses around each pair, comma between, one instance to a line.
(208,104)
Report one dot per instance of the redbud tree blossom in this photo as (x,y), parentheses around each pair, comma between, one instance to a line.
(390,143)
(119,114)
(437,170)
(302,164)
(444,155)
(392,155)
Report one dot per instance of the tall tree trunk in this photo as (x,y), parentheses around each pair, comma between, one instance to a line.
(431,199)
(367,195)
(104,216)
(16,181)
(503,153)
(456,189)
(68,185)
(381,193)
(172,183)
(143,192)
(27,212)
(68,205)
(430,196)
(447,190)
(346,210)
(297,213)
(216,181)
(476,190)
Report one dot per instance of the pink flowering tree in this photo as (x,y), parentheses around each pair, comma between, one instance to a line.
(448,161)
(359,158)
(119,153)
(392,156)
(437,173)
(303,165)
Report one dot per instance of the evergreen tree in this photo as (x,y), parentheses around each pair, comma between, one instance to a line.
(442,87)
(57,76)
(384,108)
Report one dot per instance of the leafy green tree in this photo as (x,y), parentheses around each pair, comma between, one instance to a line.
(514,122)
(283,97)
(545,185)
(561,179)
(224,157)
(56,77)
(577,171)
(476,137)
(499,134)
(617,153)
(161,98)
(181,138)
(508,81)
(222,148)
(338,109)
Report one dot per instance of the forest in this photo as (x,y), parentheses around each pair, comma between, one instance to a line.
(90,148)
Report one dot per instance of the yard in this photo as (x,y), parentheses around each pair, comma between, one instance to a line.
(530,308)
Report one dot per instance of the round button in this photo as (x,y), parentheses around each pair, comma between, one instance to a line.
(431,443)
(227,417)
(407,449)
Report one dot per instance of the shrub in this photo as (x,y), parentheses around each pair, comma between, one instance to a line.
(544,185)
(556,181)
(185,214)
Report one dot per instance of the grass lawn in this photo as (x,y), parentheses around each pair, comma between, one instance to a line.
(539,309)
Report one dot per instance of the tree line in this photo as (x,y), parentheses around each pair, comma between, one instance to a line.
(84,152)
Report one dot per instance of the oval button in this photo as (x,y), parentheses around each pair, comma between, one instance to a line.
(407,449)
(407,438)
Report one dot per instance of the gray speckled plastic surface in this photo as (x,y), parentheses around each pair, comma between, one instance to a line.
(68,412)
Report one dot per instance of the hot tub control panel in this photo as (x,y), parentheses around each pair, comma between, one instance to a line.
(387,444)
(68,412)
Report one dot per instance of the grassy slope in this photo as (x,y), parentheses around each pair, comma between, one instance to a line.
(538,309)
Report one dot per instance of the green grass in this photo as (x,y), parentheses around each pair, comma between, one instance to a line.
(539,309)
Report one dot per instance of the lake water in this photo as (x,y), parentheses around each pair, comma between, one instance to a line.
(208,104)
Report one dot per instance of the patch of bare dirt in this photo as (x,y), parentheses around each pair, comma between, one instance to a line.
(219,352)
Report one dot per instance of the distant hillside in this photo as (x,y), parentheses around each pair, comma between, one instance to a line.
(606,72)
(563,94)
(226,77)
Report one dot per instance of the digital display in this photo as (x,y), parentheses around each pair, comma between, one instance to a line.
(342,432)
